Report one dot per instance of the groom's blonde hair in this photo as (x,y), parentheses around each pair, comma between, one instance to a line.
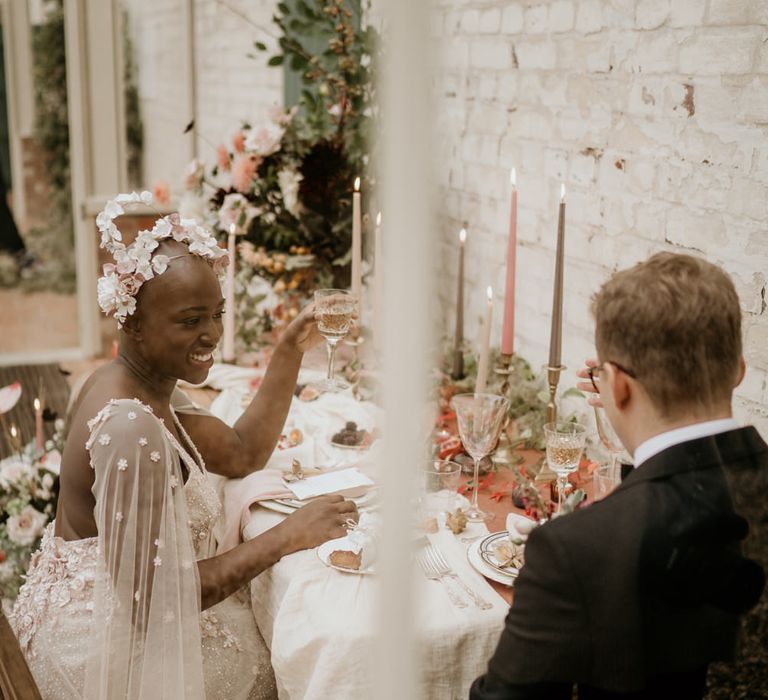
(674,321)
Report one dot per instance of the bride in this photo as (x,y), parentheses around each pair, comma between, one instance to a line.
(125,598)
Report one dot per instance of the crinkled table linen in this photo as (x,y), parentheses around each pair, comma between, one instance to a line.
(320,623)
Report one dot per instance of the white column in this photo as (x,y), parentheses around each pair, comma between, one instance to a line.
(405,116)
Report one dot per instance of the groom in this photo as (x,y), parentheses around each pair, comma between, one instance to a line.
(635,595)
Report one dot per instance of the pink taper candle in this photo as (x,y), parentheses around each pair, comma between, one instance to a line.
(39,438)
(556,334)
(357,243)
(485,347)
(228,349)
(508,329)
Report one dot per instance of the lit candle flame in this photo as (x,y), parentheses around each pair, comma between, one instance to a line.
(562,192)
(232,229)
(462,236)
(357,184)
(513,177)
(37,404)
(489,292)
(14,432)
(378,219)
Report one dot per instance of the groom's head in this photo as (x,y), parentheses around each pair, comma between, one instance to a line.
(668,332)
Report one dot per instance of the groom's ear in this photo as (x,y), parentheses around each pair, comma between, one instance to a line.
(617,381)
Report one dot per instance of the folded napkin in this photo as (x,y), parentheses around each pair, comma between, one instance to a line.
(239,495)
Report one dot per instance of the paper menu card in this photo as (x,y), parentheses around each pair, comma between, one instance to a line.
(329,483)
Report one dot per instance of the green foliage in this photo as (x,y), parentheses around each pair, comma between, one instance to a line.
(134,128)
(53,244)
(338,99)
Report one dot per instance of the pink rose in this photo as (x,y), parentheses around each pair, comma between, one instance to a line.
(130,284)
(162,193)
(222,157)
(238,141)
(243,172)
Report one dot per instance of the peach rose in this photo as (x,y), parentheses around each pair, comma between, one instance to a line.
(222,157)
(243,172)
(238,141)
(162,193)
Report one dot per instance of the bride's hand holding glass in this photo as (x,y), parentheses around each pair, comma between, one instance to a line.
(303,332)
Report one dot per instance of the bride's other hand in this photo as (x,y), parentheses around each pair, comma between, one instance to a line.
(593,399)
(321,520)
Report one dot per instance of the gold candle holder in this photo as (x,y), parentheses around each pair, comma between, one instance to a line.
(553,379)
(504,369)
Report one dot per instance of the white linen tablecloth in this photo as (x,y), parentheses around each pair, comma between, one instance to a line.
(320,623)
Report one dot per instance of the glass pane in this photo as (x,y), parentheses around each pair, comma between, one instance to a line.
(38,303)
(155,91)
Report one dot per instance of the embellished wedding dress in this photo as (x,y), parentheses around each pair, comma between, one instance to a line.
(118,615)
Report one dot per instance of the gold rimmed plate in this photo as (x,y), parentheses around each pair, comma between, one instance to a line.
(487,551)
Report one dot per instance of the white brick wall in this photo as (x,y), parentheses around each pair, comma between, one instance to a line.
(230,86)
(655,115)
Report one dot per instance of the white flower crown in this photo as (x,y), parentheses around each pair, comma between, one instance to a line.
(135,264)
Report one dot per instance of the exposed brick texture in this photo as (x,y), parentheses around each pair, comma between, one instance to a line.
(654,114)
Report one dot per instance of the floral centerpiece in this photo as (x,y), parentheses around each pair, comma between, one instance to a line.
(285,185)
(29,488)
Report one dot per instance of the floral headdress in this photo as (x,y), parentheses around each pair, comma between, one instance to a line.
(134,264)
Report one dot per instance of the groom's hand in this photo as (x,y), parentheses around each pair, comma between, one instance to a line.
(593,399)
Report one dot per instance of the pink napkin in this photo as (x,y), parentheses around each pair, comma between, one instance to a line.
(239,494)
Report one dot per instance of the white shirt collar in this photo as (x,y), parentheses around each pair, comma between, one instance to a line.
(663,441)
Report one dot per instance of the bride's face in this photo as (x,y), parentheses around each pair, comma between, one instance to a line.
(179,320)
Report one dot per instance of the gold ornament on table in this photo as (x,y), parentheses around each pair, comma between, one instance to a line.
(504,369)
(456,521)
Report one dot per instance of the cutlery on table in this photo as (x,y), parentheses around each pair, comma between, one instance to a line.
(435,556)
(431,573)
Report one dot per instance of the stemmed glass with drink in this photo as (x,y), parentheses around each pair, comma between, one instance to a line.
(611,442)
(334,311)
(480,418)
(565,444)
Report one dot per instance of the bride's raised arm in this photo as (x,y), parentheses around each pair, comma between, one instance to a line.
(246,447)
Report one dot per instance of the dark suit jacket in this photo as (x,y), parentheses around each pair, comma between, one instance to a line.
(636,594)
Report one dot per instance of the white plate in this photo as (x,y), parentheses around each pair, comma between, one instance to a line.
(359,448)
(473,555)
(324,553)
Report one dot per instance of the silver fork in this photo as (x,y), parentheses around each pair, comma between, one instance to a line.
(431,573)
(442,568)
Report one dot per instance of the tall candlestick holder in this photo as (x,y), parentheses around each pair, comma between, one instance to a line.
(504,369)
(457,372)
(553,379)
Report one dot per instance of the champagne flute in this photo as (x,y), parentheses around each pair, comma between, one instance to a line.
(480,418)
(610,441)
(565,444)
(334,309)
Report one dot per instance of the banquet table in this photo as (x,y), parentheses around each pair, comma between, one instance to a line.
(320,623)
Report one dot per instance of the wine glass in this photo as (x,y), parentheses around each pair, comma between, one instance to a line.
(565,443)
(334,309)
(440,481)
(480,417)
(610,441)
